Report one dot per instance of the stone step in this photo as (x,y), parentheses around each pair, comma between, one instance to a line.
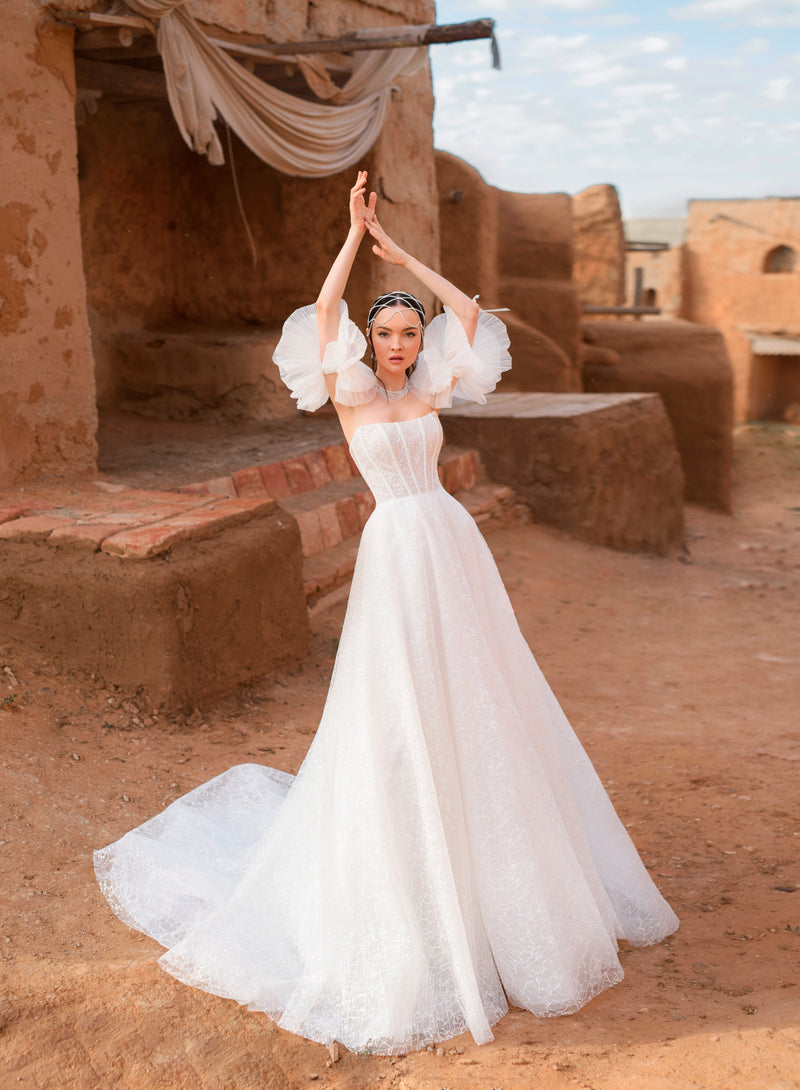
(182,598)
(604,467)
(324,490)
(325,573)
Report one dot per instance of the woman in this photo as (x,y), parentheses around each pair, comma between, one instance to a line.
(446,846)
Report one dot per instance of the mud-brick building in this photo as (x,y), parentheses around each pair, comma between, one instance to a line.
(735,265)
(742,275)
(110,224)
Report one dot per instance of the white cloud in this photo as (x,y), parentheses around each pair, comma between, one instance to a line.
(548,47)
(585,97)
(647,90)
(654,45)
(610,21)
(601,74)
(573,5)
(777,89)
(753,47)
(761,13)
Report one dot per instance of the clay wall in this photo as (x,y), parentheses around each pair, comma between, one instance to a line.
(662,277)
(164,241)
(515,250)
(599,246)
(47,406)
(727,286)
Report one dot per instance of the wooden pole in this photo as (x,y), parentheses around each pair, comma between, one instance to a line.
(590,308)
(358,40)
(99,31)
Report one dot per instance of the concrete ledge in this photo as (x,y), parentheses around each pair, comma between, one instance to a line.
(603,467)
(182,609)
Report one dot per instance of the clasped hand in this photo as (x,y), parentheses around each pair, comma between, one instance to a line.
(364,217)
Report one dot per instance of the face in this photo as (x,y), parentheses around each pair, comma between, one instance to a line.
(396,338)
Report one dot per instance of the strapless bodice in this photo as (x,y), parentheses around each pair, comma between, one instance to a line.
(399,459)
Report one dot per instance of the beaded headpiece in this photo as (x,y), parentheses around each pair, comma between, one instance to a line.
(390,299)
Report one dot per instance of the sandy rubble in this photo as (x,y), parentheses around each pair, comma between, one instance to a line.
(681,676)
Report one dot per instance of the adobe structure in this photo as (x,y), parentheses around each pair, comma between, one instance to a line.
(734,264)
(136,275)
(633,343)
(116,226)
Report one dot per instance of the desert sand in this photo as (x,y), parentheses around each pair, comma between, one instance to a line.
(681,676)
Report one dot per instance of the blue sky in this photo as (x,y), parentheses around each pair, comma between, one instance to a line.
(666,101)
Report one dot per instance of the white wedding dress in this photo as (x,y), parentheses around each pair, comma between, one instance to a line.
(446,847)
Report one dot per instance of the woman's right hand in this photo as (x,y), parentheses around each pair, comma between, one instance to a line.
(360,210)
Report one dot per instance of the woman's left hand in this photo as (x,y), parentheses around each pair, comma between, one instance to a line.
(384,247)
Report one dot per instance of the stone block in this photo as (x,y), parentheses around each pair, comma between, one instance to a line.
(348,514)
(194,524)
(339,466)
(310,531)
(688,366)
(317,468)
(366,505)
(329,525)
(603,468)
(180,629)
(221,486)
(249,483)
(297,475)
(86,537)
(33,527)
(275,481)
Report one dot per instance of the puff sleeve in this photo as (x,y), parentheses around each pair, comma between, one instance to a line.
(297,356)
(448,354)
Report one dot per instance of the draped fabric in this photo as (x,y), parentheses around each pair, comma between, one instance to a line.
(297,137)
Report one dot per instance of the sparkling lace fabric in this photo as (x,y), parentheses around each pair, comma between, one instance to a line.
(446,846)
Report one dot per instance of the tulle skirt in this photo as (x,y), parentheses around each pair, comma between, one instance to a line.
(445,849)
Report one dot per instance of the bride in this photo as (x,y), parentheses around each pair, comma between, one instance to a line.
(446,847)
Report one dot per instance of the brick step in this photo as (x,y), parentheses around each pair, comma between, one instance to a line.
(331,514)
(326,572)
(324,491)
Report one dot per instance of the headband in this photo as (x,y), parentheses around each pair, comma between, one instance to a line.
(391,298)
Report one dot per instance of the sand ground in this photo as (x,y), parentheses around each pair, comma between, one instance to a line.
(682,678)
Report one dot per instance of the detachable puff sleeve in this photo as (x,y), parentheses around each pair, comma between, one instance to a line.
(448,354)
(297,356)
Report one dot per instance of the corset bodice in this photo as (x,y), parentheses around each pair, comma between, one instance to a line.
(399,459)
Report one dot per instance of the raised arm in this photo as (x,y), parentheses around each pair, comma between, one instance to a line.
(466,309)
(336,281)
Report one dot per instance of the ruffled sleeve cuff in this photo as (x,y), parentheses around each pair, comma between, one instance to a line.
(448,355)
(297,356)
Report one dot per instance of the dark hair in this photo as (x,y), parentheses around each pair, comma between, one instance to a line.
(391,298)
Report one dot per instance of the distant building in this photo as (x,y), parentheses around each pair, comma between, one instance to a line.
(733,264)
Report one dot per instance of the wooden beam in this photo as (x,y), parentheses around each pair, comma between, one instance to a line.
(390,39)
(88,20)
(590,308)
(646,247)
(102,46)
(100,35)
(120,79)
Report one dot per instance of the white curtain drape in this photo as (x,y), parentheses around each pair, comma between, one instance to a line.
(305,139)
